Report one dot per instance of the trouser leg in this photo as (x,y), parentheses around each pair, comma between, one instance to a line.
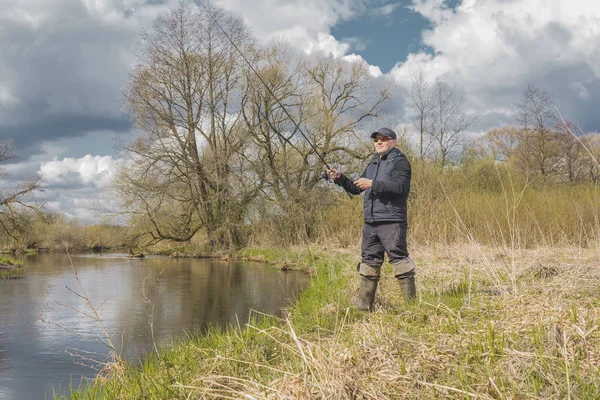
(392,236)
(372,250)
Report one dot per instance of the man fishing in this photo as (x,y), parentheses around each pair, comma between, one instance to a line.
(386,183)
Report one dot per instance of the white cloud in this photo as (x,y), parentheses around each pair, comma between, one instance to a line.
(327,44)
(374,71)
(304,24)
(95,171)
(386,10)
(298,21)
(434,10)
(79,187)
(492,49)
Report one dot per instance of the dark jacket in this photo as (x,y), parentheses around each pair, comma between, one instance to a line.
(386,199)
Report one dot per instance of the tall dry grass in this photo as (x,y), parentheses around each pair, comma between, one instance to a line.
(487,203)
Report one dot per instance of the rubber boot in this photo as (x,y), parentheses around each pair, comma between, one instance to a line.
(366,293)
(407,286)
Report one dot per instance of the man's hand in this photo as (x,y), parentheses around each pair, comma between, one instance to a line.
(335,175)
(363,183)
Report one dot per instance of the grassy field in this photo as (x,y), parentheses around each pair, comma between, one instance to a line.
(488,323)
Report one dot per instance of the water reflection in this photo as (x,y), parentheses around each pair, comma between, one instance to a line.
(188,295)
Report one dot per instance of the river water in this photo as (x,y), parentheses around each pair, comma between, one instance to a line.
(38,358)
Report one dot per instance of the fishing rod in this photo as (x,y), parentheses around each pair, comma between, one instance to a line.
(270,91)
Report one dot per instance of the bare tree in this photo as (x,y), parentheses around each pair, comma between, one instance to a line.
(185,97)
(340,97)
(16,205)
(538,143)
(212,137)
(329,99)
(498,144)
(5,156)
(580,154)
(276,138)
(420,99)
(591,156)
(449,121)
(572,157)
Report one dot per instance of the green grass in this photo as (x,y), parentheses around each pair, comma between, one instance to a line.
(10,261)
(461,339)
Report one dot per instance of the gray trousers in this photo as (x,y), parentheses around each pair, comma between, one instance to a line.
(380,238)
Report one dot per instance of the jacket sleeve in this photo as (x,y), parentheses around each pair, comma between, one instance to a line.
(400,173)
(348,184)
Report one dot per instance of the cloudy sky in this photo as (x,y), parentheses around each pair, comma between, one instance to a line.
(63,64)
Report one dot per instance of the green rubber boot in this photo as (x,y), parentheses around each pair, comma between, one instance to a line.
(366,293)
(407,286)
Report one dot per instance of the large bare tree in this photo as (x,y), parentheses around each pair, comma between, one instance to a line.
(212,137)
(185,96)
(330,99)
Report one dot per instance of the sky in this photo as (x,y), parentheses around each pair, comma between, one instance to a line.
(63,65)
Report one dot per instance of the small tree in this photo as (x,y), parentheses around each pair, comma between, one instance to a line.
(16,205)
(572,154)
(539,147)
(421,101)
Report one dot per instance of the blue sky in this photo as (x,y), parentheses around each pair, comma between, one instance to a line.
(384,39)
(63,64)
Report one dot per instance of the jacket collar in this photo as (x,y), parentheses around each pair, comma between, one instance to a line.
(385,156)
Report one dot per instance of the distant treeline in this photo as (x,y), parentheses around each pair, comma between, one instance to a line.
(54,232)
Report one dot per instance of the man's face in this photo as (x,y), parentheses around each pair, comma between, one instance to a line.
(383,144)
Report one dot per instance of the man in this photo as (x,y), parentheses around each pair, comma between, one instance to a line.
(386,183)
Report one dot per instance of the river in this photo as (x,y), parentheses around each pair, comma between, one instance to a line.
(37,357)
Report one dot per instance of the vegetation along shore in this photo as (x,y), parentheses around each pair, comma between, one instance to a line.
(488,323)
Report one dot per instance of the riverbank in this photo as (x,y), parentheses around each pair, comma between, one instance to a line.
(488,323)
(10,269)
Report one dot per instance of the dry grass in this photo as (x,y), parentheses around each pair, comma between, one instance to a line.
(468,336)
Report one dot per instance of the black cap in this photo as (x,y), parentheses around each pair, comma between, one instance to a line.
(384,132)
